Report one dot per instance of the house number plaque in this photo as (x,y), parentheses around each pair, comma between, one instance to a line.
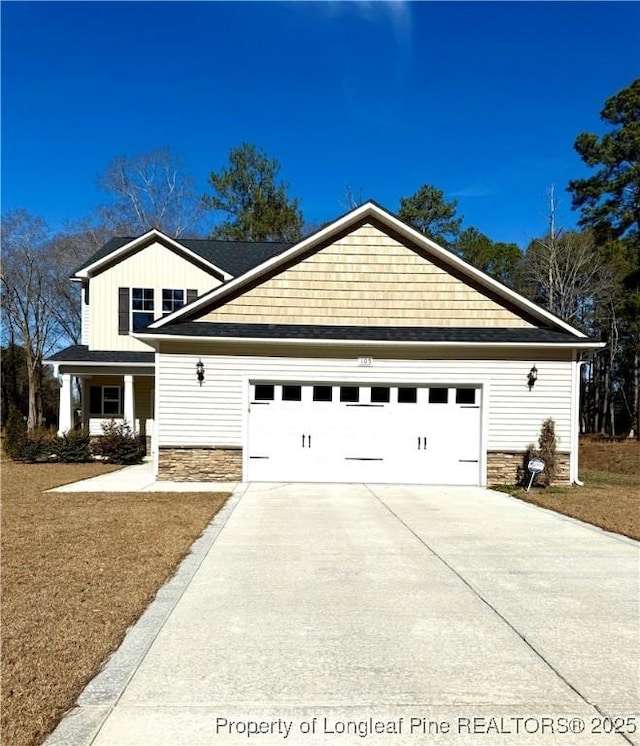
(365,361)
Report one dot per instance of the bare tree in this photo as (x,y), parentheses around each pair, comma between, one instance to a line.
(150,190)
(571,276)
(65,252)
(351,199)
(27,307)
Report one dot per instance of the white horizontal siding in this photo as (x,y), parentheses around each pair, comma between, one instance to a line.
(212,414)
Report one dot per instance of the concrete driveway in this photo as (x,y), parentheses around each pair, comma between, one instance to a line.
(320,614)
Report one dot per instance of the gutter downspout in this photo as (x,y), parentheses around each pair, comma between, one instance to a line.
(576,419)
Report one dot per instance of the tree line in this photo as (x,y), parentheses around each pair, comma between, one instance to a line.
(589,277)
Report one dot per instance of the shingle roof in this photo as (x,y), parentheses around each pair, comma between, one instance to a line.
(483,335)
(234,257)
(82,354)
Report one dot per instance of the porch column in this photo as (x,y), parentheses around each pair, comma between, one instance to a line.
(84,402)
(65,409)
(129,403)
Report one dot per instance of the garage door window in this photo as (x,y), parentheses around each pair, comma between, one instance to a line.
(349,393)
(292,393)
(438,396)
(407,395)
(380,394)
(465,396)
(264,392)
(322,393)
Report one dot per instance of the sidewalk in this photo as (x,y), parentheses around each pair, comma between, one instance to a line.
(140,478)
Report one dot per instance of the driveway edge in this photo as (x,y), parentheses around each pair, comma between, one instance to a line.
(564,517)
(80,725)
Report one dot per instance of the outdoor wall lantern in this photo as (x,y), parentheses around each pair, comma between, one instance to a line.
(532,377)
(200,371)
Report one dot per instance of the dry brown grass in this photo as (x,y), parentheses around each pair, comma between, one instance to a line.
(610,497)
(77,570)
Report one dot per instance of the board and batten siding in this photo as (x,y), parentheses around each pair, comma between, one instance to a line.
(85,316)
(366,277)
(154,267)
(213,414)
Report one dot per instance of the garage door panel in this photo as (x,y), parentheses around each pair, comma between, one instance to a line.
(333,433)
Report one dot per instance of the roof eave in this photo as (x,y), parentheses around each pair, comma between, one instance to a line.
(154,233)
(578,344)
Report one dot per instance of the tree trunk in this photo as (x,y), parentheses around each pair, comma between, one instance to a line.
(32,381)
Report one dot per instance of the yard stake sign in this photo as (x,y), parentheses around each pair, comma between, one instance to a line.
(535,466)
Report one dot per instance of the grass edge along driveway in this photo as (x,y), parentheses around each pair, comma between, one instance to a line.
(78,569)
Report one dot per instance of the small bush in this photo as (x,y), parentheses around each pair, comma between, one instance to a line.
(15,435)
(73,447)
(547,449)
(118,444)
(36,447)
(21,445)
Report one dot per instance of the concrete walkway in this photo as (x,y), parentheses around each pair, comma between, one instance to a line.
(309,613)
(140,478)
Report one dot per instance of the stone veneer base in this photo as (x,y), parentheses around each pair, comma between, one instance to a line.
(506,467)
(198,464)
(224,464)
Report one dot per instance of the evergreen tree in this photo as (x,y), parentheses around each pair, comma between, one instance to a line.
(258,207)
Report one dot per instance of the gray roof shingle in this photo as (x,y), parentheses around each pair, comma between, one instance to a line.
(82,354)
(483,335)
(234,257)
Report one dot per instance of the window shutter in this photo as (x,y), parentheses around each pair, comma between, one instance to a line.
(123,310)
(95,400)
(191,295)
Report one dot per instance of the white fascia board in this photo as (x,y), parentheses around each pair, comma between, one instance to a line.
(377,343)
(369,209)
(154,233)
(94,364)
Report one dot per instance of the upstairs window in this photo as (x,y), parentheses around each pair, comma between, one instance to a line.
(172,300)
(141,308)
(137,307)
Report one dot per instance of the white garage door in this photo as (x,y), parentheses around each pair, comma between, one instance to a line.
(357,433)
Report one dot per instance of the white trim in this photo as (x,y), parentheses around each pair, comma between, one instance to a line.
(105,364)
(246,378)
(378,343)
(137,243)
(371,210)
(155,445)
(572,442)
(576,381)
(484,430)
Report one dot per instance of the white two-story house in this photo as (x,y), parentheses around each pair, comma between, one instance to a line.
(363,353)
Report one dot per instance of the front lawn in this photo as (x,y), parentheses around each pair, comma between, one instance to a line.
(77,570)
(610,497)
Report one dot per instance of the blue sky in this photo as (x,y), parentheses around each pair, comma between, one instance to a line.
(482,100)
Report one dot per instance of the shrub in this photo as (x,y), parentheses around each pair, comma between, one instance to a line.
(72,447)
(118,444)
(15,434)
(547,451)
(36,447)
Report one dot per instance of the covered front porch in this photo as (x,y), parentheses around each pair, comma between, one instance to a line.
(95,389)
